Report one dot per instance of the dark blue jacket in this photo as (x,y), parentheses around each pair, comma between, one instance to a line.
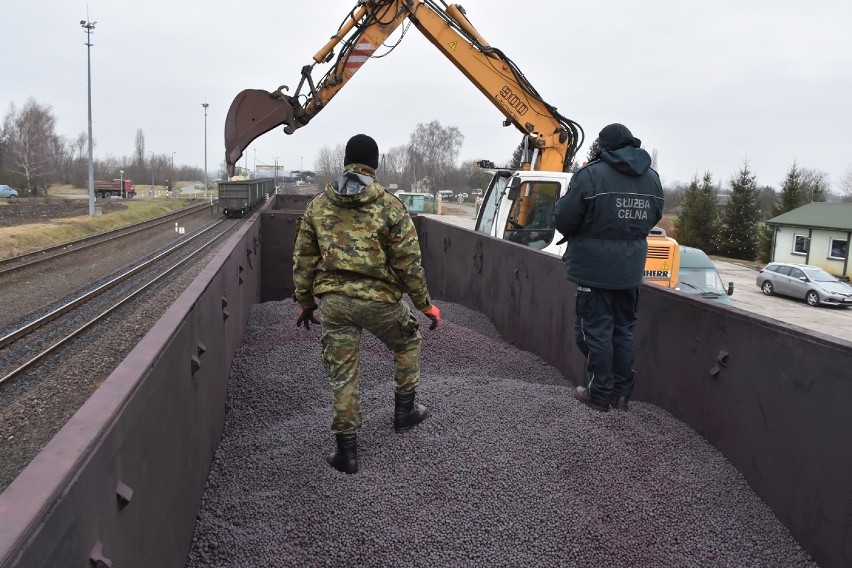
(610,207)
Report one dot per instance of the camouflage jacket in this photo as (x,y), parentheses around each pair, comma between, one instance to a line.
(358,240)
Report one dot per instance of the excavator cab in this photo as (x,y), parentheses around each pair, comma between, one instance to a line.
(530,220)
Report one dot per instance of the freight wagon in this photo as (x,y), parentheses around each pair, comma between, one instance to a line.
(237,198)
(129,469)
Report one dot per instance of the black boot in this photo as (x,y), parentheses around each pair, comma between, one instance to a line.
(406,414)
(345,459)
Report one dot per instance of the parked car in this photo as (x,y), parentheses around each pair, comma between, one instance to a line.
(810,283)
(6,191)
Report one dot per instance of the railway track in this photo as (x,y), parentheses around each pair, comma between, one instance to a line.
(198,243)
(30,259)
(50,363)
(128,285)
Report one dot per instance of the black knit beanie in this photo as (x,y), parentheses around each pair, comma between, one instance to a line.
(615,136)
(361,149)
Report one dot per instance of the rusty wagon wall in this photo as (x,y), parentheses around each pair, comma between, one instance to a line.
(123,480)
(121,483)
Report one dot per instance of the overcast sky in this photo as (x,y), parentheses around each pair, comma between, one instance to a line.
(709,85)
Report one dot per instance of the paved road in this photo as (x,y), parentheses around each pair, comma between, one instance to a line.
(829,320)
(836,322)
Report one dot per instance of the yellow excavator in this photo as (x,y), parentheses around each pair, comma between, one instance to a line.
(551,139)
(519,201)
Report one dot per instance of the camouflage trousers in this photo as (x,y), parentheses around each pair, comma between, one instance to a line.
(343,321)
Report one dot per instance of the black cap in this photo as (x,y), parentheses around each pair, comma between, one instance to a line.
(615,136)
(361,149)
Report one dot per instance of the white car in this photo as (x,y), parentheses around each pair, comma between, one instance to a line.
(6,191)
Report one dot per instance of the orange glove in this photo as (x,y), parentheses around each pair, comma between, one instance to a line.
(434,314)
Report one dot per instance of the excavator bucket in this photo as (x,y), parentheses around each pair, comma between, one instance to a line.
(253,112)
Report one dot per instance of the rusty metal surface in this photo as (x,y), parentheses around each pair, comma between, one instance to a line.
(278,224)
(122,481)
(253,112)
(131,469)
(773,400)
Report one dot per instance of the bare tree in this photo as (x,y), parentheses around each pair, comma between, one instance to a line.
(329,162)
(64,158)
(434,150)
(139,152)
(394,166)
(846,185)
(815,185)
(30,144)
(80,161)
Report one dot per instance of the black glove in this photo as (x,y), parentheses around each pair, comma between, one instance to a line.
(306,316)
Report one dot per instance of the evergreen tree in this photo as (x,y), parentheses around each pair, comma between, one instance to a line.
(793,192)
(698,221)
(739,227)
(594,151)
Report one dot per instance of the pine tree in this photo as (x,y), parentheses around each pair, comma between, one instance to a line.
(739,227)
(793,192)
(698,221)
(594,151)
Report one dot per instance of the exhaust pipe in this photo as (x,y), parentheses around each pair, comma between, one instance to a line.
(254,112)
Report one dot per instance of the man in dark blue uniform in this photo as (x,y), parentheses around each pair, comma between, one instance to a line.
(611,205)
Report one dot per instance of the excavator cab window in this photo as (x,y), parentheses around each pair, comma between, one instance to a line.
(491,202)
(514,189)
(530,220)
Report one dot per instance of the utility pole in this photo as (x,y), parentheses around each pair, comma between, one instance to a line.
(90,28)
(205,105)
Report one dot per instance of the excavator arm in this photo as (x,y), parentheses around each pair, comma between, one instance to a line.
(551,139)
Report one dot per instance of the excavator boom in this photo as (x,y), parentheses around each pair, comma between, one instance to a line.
(551,139)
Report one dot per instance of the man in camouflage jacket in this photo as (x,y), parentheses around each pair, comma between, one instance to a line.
(357,250)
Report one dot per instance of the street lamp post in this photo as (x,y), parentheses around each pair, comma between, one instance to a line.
(174,181)
(276,174)
(90,28)
(205,105)
(121,181)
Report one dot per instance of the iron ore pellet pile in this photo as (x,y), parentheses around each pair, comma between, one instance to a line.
(508,470)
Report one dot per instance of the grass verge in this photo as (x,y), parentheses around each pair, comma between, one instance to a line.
(21,239)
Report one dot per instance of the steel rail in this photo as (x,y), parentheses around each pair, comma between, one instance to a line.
(65,308)
(9,377)
(83,243)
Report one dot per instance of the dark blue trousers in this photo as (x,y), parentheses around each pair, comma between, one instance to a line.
(604,332)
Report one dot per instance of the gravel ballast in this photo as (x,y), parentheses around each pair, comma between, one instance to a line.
(508,470)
